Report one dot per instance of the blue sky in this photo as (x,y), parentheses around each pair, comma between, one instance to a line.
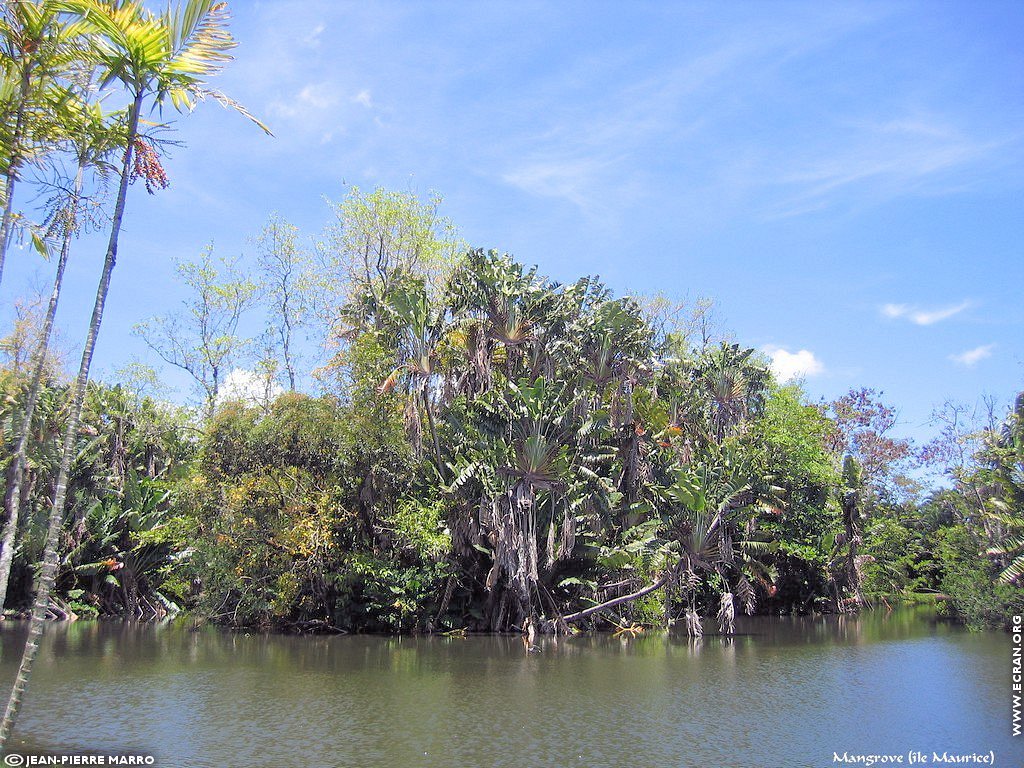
(844,179)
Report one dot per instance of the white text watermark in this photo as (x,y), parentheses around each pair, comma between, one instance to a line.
(1015,676)
(16,759)
(915,757)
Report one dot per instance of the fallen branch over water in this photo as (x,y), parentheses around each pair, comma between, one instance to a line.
(661,582)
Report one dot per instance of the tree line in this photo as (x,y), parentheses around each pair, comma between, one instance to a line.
(434,438)
(416,435)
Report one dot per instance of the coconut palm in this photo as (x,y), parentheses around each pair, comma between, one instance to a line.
(160,58)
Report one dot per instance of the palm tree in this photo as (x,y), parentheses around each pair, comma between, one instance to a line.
(38,44)
(733,384)
(851,502)
(616,347)
(702,539)
(421,332)
(159,57)
(91,137)
(706,507)
(536,460)
(501,298)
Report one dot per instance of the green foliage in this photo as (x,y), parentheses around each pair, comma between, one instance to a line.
(419,528)
(118,552)
(789,447)
(896,559)
(969,580)
(380,238)
(386,596)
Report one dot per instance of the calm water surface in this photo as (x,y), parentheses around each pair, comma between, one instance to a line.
(786,692)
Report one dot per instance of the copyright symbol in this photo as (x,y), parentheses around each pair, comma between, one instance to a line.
(14,759)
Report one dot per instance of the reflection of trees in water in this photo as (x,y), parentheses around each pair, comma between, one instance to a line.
(114,644)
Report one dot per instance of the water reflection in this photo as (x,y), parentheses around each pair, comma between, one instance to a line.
(780,692)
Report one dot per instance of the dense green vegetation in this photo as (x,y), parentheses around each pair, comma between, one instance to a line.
(422,436)
(497,449)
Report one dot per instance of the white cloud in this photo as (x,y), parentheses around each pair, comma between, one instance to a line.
(921,316)
(364,98)
(313,96)
(788,365)
(312,40)
(972,357)
(869,161)
(249,387)
(316,96)
(571,180)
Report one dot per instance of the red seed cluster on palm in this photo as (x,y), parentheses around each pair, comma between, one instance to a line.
(146,165)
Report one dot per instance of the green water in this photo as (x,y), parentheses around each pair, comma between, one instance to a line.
(786,692)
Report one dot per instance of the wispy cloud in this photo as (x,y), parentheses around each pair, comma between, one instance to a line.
(920,316)
(364,98)
(788,365)
(867,163)
(669,115)
(312,40)
(858,157)
(312,96)
(972,357)
(319,96)
(571,180)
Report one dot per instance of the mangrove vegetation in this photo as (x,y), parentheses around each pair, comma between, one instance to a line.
(391,430)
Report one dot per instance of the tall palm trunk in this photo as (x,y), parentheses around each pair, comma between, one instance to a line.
(12,169)
(38,366)
(49,569)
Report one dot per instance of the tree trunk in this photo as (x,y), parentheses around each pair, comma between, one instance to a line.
(38,366)
(661,582)
(433,433)
(50,554)
(851,512)
(286,348)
